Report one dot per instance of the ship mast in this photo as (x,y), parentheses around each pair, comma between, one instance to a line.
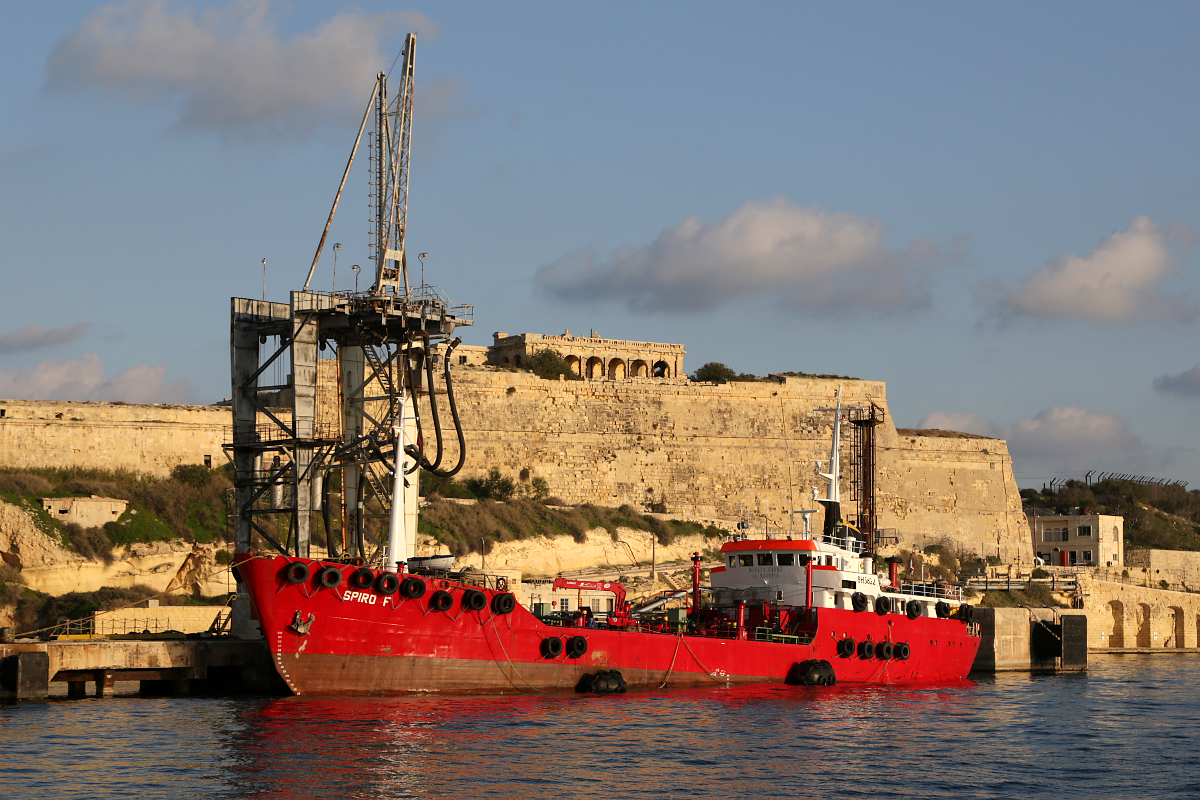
(833,496)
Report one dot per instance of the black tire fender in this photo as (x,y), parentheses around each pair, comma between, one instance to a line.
(296,572)
(474,600)
(362,579)
(387,584)
(504,603)
(412,587)
(912,609)
(883,605)
(330,577)
(440,601)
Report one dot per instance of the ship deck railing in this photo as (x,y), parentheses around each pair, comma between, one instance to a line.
(932,589)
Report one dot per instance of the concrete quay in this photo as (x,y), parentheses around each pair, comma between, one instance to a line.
(203,666)
(1030,640)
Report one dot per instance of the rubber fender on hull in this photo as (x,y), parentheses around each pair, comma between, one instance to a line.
(362,579)
(811,673)
(942,609)
(866,650)
(474,600)
(846,647)
(387,584)
(504,603)
(296,572)
(603,682)
(859,601)
(966,613)
(552,647)
(903,651)
(912,609)
(884,651)
(329,577)
(883,605)
(440,601)
(576,646)
(412,587)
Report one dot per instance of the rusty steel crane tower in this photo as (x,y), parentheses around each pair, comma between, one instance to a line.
(356,429)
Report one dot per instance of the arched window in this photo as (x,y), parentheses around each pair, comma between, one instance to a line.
(616,369)
(639,369)
(662,369)
(595,368)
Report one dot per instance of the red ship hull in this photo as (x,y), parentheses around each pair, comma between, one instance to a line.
(342,641)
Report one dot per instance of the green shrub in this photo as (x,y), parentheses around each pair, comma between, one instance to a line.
(550,364)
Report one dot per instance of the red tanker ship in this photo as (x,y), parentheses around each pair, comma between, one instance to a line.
(807,610)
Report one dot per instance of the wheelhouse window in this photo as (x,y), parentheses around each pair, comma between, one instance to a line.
(746,560)
(765,560)
(732,562)
(786,559)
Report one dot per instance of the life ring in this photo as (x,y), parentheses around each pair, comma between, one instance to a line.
(440,601)
(474,600)
(551,647)
(297,572)
(504,603)
(883,605)
(859,601)
(387,584)
(502,584)
(412,587)
(362,578)
(912,609)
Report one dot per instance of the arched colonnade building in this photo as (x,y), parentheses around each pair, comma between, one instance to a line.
(592,357)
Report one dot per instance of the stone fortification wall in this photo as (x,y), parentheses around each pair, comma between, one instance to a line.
(143,438)
(733,451)
(1179,568)
(1121,615)
(738,450)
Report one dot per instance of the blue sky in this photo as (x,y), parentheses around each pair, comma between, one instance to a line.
(991,207)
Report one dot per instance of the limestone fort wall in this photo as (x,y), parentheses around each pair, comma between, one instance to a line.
(734,451)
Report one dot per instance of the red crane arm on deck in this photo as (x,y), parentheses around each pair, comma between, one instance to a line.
(601,586)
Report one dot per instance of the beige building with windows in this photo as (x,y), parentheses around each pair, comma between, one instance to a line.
(1085,540)
(592,357)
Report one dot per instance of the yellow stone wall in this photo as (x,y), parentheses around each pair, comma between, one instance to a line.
(732,451)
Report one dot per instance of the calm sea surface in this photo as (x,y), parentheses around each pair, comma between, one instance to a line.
(1127,729)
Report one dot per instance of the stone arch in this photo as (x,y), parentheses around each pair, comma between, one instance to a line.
(1177,633)
(573,363)
(595,368)
(662,369)
(1116,638)
(1143,625)
(616,369)
(639,369)
(517,361)
(504,362)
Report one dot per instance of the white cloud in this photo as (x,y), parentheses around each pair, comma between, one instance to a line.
(83,379)
(1121,280)
(1185,384)
(801,259)
(35,337)
(1060,440)
(229,69)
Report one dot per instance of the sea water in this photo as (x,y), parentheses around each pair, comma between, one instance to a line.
(1127,729)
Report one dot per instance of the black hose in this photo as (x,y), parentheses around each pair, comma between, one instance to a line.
(433,410)
(416,414)
(458,429)
(329,540)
